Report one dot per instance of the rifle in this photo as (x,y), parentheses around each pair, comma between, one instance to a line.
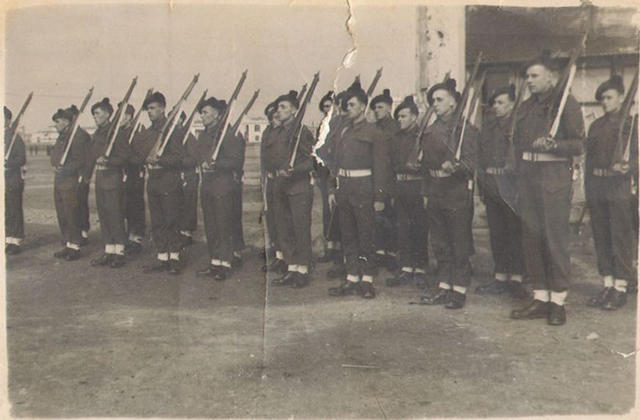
(302,92)
(113,130)
(467,114)
(14,126)
(462,109)
(236,125)
(189,121)
(222,124)
(136,119)
(297,131)
(74,127)
(621,152)
(563,88)
(374,82)
(172,121)
(416,153)
(510,163)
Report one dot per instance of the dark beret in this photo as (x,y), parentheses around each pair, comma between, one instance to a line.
(384,98)
(291,97)
(220,105)
(7,114)
(614,83)
(355,90)
(341,101)
(543,59)
(327,97)
(67,114)
(407,103)
(509,90)
(156,97)
(449,86)
(104,105)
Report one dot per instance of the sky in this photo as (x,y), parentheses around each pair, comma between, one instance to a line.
(60,51)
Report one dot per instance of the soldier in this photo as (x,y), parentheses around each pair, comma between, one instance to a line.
(190,182)
(109,184)
(449,196)
(544,191)
(386,230)
(13,188)
(407,194)
(218,187)
(164,189)
(362,164)
(67,180)
(608,193)
(272,248)
(322,175)
(293,190)
(498,187)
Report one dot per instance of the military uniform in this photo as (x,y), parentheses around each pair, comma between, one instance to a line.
(450,207)
(362,162)
(238,234)
(273,246)
(109,187)
(411,216)
(292,198)
(544,194)
(190,184)
(218,188)
(609,196)
(66,186)
(13,191)
(164,192)
(498,189)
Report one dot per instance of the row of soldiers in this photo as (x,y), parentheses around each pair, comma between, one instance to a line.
(366,177)
(370,183)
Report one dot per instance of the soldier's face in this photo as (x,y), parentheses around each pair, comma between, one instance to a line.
(539,78)
(502,105)
(126,119)
(209,115)
(381,110)
(155,111)
(355,108)
(326,107)
(286,111)
(443,103)
(611,100)
(406,118)
(101,117)
(61,124)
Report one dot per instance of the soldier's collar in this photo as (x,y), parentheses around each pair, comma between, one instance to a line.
(544,96)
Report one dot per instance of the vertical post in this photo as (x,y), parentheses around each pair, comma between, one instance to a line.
(441,45)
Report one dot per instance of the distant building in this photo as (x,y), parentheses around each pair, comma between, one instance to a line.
(252,129)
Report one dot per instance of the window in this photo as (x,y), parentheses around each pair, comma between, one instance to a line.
(257,128)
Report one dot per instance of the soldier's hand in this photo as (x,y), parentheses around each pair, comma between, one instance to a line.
(152,160)
(425,202)
(288,172)
(621,167)
(102,160)
(332,200)
(544,144)
(378,206)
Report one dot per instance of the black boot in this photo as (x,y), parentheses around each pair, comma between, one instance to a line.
(72,255)
(104,259)
(222,273)
(420,280)
(277,266)
(401,279)
(132,248)
(517,290)
(537,309)
(557,315)
(301,280)
(598,300)
(157,267)
(175,267)
(117,261)
(286,280)
(441,297)
(456,300)
(615,300)
(346,288)
(62,253)
(494,287)
(209,271)
(367,290)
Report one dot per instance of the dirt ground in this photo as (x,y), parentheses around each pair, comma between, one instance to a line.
(84,341)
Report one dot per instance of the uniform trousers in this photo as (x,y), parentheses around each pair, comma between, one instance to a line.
(134,202)
(217,210)
(109,204)
(65,195)
(413,227)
